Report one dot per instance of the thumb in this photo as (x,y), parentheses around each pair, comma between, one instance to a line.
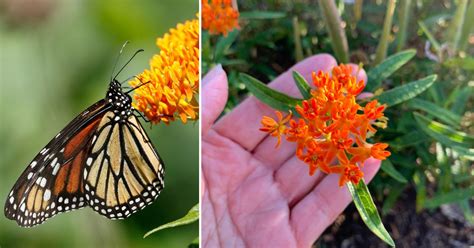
(214,96)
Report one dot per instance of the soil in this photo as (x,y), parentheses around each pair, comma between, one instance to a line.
(442,227)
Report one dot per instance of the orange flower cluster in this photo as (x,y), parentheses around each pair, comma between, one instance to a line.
(219,17)
(171,85)
(333,125)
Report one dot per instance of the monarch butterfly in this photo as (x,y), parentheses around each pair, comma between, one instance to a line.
(102,159)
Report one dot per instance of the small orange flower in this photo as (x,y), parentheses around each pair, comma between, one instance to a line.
(373,110)
(349,172)
(219,17)
(171,86)
(333,125)
(275,128)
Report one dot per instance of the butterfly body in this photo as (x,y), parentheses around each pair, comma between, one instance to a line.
(102,159)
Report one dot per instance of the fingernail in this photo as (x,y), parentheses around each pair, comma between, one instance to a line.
(212,74)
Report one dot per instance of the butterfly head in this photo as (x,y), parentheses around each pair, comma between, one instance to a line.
(121,102)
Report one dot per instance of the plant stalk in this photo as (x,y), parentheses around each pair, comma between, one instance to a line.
(381,52)
(404,19)
(336,32)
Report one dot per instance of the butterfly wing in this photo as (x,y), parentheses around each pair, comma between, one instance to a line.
(52,183)
(124,173)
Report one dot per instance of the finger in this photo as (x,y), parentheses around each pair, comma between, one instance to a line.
(214,96)
(312,215)
(241,125)
(294,181)
(266,152)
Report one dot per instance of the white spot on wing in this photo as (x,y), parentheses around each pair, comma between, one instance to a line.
(47,195)
(56,169)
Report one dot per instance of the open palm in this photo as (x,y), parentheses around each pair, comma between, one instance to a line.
(253,194)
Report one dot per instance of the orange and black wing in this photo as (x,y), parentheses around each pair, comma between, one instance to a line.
(124,173)
(53,181)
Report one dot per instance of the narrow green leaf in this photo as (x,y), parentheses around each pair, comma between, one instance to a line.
(466,63)
(271,97)
(409,139)
(387,68)
(230,62)
(194,243)
(190,217)
(388,168)
(367,210)
(302,85)
(430,36)
(223,44)
(261,15)
(442,114)
(452,196)
(420,186)
(459,103)
(443,133)
(405,92)
(464,153)
(395,192)
(466,209)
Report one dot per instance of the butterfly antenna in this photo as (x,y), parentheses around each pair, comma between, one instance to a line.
(133,56)
(138,86)
(128,79)
(117,59)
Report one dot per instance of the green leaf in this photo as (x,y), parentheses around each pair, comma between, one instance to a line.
(459,103)
(194,243)
(392,197)
(466,209)
(443,133)
(409,139)
(387,68)
(452,196)
(388,168)
(367,210)
(441,113)
(302,85)
(271,97)
(405,92)
(190,217)
(261,15)
(224,44)
(420,186)
(466,63)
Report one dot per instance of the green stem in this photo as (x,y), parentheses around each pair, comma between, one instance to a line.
(468,27)
(297,37)
(456,26)
(336,32)
(358,10)
(381,52)
(404,19)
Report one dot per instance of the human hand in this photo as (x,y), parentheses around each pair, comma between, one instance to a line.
(253,194)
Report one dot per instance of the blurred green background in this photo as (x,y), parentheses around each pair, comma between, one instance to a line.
(56,58)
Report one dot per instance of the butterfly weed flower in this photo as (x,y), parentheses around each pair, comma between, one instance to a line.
(171,84)
(219,17)
(332,125)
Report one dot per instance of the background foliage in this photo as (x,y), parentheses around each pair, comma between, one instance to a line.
(56,58)
(431,136)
